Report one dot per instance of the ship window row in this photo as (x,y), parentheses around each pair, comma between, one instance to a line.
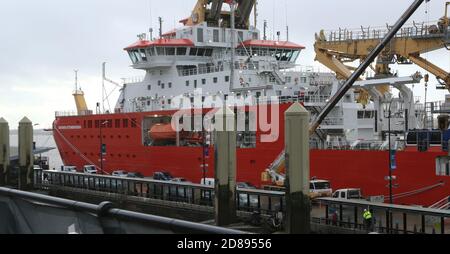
(111,155)
(367,114)
(285,55)
(142,55)
(109,123)
(215,80)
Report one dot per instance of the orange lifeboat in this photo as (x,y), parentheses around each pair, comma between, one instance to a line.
(162,132)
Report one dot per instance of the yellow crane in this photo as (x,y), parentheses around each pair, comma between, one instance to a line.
(211,12)
(337,49)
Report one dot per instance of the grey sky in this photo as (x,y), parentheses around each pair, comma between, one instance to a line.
(43,41)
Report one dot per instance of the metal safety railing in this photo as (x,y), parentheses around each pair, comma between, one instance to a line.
(422,30)
(249,200)
(386,218)
(106,210)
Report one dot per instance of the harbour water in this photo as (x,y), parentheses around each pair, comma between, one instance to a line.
(42,139)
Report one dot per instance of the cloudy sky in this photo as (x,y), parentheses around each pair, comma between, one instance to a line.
(43,41)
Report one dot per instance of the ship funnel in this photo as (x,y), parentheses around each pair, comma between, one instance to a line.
(78,95)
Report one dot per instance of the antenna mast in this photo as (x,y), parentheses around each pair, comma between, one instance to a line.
(265,30)
(76,80)
(256,13)
(160,26)
(151,22)
(287,33)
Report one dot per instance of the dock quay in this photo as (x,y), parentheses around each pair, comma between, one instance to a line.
(195,202)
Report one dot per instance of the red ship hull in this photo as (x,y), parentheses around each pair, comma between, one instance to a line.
(78,140)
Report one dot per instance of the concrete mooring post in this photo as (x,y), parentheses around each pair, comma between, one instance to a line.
(4,151)
(26,157)
(298,203)
(225,167)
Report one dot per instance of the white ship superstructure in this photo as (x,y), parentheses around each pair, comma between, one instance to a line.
(198,56)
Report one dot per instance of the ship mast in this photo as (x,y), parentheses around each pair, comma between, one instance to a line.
(78,95)
(233,35)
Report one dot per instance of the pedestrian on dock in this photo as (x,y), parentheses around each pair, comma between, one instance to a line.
(334,218)
(367,219)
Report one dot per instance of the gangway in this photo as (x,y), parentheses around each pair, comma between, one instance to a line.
(443,204)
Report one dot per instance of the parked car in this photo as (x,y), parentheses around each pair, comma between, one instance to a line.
(90,169)
(120,173)
(180,180)
(245,185)
(135,175)
(70,169)
(162,176)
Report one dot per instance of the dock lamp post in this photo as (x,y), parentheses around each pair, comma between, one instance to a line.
(102,146)
(391,152)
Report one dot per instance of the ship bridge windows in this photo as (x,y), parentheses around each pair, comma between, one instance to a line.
(160,51)
(133,56)
(170,51)
(143,55)
(207,52)
(181,51)
(284,55)
(138,55)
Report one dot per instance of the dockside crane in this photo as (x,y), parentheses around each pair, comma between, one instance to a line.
(275,170)
(211,12)
(336,49)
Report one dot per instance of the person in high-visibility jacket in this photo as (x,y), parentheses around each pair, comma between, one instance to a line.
(368,219)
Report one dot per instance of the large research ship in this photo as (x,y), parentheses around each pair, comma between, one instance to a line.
(211,59)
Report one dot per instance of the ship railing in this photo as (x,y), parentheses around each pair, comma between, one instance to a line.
(185,194)
(365,145)
(200,70)
(333,121)
(133,80)
(386,218)
(65,113)
(307,69)
(316,99)
(422,30)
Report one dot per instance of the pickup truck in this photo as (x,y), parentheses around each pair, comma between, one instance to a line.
(348,194)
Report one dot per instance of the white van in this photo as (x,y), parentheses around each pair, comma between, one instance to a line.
(208,182)
(348,194)
(320,188)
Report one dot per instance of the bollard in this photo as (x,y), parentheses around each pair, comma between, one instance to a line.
(26,157)
(225,167)
(298,203)
(4,151)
